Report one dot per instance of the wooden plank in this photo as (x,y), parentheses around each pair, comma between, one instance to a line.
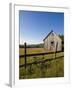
(36,54)
(40,61)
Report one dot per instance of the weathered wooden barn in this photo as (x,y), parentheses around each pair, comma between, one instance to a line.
(51,41)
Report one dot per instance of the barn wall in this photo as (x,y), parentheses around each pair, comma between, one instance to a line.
(50,38)
(55,38)
(45,44)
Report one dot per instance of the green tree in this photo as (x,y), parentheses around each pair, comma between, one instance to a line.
(62,38)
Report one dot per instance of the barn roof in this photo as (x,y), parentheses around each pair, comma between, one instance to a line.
(49,34)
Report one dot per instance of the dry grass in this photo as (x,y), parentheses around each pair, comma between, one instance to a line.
(48,69)
(31,50)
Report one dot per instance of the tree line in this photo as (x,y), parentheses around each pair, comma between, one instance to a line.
(62,38)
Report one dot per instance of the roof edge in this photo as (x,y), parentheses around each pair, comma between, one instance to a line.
(48,35)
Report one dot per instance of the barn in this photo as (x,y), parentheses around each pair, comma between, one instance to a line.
(51,41)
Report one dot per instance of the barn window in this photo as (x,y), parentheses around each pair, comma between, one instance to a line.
(52,43)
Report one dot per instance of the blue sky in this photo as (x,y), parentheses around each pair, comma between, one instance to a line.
(35,25)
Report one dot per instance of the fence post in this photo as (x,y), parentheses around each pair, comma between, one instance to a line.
(56,49)
(25,54)
(55,58)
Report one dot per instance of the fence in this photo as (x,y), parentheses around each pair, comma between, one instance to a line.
(37,54)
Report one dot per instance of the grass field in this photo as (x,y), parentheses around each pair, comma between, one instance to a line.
(53,68)
(31,50)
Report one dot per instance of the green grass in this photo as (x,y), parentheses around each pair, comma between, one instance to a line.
(53,68)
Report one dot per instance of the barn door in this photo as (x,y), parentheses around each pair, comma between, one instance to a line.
(52,45)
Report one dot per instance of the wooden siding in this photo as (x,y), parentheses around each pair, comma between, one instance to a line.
(54,39)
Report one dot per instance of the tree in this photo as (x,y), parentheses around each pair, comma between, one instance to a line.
(62,38)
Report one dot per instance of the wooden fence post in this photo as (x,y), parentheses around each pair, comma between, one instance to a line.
(55,58)
(25,54)
(56,49)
